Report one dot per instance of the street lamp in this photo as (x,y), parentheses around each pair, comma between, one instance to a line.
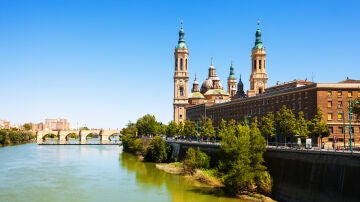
(351,103)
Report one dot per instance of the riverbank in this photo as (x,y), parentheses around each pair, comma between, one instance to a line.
(206,178)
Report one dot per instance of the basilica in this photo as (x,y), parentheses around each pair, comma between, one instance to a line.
(211,100)
(211,90)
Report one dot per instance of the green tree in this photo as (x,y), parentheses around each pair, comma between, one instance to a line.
(171,129)
(180,130)
(189,128)
(302,128)
(285,123)
(235,163)
(84,128)
(356,107)
(147,125)
(130,129)
(318,127)
(157,150)
(207,130)
(267,125)
(221,129)
(27,126)
(196,159)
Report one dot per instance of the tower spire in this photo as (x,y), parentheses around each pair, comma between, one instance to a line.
(258,42)
(181,41)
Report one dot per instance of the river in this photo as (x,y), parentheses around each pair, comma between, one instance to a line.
(32,172)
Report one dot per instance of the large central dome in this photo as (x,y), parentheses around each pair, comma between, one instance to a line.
(212,82)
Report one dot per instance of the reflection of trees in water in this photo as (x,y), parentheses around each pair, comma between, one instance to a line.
(180,188)
(146,173)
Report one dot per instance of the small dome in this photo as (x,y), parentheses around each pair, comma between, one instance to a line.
(258,33)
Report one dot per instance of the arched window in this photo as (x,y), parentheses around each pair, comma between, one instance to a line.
(181,91)
(181,64)
(254,64)
(176,63)
(259,64)
(264,64)
(186,65)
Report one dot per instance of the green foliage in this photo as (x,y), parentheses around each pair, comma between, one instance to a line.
(302,126)
(180,129)
(172,128)
(15,136)
(317,126)
(356,107)
(131,143)
(84,128)
(157,151)
(147,125)
(267,125)
(242,158)
(130,129)
(285,122)
(27,126)
(189,128)
(196,159)
(73,135)
(221,129)
(207,129)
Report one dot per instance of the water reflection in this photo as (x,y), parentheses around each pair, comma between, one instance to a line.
(180,187)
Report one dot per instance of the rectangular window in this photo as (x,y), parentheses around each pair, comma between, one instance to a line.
(305,94)
(329,104)
(349,94)
(339,93)
(340,115)
(331,130)
(329,93)
(340,104)
(341,130)
(330,116)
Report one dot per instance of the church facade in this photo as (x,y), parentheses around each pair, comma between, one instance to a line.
(211,100)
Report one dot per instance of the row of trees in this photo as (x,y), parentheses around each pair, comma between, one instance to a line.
(15,136)
(282,125)
(241,167)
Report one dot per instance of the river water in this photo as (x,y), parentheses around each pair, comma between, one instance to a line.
(34,172)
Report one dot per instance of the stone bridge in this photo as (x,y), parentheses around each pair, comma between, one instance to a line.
(62,135)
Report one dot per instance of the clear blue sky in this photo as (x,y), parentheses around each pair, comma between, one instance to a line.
(103,63)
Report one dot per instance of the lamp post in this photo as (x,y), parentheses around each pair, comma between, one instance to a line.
(351,103)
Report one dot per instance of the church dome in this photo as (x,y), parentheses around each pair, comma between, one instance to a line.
(206,85)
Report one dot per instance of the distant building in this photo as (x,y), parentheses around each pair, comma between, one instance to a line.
(4,124)
(298,95)
(56,124)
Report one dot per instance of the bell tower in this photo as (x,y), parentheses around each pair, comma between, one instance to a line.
(181,78)
(231,84)
(258,78)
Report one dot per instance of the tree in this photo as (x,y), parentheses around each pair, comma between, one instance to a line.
(27,126)
(171,129)
(207,129)
(318,127)
(180,129)
(222,128)
(356,107)
(267,125)
(285,122)
(84,128)
(189,128)
(130,129)
(157,150)
(196,159)
(302,128)
(146,125)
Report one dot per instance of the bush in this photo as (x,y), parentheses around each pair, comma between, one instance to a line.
(196,159)
(157,151)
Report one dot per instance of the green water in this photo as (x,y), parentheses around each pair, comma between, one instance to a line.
(89,173)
